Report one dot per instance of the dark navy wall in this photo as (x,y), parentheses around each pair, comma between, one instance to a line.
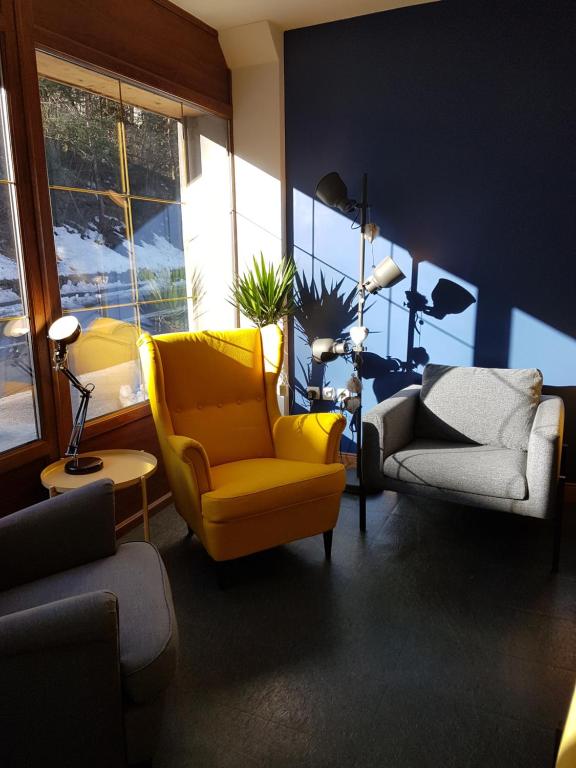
(464,116)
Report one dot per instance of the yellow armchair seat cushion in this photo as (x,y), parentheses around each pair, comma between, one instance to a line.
(255,487)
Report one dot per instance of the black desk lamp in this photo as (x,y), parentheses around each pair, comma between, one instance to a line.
(63,332)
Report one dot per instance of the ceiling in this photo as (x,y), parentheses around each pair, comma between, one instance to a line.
(287,14)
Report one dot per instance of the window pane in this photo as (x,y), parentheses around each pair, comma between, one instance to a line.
(159,250)
(153,156)
(81,137)
(10,287)
(106,355)
(91,249)
(117,165)
(18,423)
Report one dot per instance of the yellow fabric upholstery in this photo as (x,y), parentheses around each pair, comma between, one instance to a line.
(312,437)
(567,751)
(257,486)
(244,477)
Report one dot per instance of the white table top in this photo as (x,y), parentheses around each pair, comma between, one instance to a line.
(123,466)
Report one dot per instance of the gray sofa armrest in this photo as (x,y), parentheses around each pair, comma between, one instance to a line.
(59,533)
(544,454)
(387,428)
(61,699)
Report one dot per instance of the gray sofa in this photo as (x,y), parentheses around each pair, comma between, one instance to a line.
(485,437)
(88,636)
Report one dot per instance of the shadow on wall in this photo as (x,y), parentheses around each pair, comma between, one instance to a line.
(428,316)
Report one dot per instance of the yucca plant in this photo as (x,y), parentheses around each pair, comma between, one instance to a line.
(264,293)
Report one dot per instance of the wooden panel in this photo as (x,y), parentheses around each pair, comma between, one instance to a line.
(65,71)
(150,41)
(32,242)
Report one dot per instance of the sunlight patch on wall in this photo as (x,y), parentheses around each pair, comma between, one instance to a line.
(259,214)
(534,344)
(442,329)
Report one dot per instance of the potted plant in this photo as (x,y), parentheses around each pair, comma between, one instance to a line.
(264,293)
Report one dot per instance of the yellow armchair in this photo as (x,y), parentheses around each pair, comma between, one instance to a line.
(243,477)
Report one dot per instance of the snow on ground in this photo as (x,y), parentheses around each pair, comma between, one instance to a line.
(86,255)
(8,268)
(159,255)
(83,257)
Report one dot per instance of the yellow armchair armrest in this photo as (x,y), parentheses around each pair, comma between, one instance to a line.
(192,452)
(312,437)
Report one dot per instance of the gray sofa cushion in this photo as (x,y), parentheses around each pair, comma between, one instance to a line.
(147,626)
(488,406)
(480,469)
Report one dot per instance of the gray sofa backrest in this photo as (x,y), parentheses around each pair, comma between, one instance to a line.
(489,406)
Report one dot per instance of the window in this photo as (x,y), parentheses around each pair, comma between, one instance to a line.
(140,195)
(18,406)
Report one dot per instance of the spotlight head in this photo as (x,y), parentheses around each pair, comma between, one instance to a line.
(326,350)
(386,274)
(359,334)
(332,191)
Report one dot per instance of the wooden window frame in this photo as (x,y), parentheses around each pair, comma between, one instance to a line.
(20,37)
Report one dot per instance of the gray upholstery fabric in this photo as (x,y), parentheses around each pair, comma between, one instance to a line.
(60,697)
(542,461)
(488,406)
(60,533)
(387,427)
(544,454)
(85,618)
(147,626)
(456,497)
(478,469)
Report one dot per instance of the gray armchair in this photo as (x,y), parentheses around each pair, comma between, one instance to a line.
(483,437)
(88,636)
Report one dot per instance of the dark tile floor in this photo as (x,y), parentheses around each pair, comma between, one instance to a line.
(438,638)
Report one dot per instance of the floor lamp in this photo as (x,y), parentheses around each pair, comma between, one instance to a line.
(332,191)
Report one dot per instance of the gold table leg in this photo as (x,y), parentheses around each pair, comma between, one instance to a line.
(145,509)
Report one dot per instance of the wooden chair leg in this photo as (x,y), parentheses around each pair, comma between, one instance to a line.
(558,518)
(327,544)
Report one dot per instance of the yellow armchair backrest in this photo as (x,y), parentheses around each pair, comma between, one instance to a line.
(218,387)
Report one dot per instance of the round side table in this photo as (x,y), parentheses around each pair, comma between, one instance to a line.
(124,467)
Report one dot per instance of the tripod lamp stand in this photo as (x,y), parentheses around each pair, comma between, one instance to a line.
(63,332)
(332,191)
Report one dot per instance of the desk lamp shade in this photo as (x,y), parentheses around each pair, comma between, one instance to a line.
(63,332)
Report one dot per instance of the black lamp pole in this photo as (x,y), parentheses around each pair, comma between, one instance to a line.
(358,351)
(83,465)
(79,420)
(332,191)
